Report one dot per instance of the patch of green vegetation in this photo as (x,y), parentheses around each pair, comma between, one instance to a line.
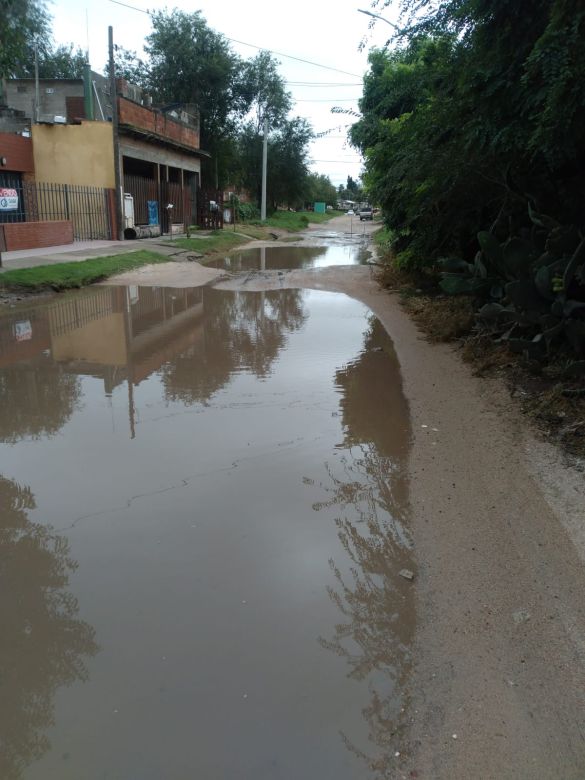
(299,220)
(383,238)
(216,241)
(294,221)
(64,276)
(255,231)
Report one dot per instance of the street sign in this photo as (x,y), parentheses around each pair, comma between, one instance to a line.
(8,199)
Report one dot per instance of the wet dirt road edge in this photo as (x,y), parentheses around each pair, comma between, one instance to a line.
(499,677)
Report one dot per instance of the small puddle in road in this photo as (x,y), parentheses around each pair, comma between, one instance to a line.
(203,519)
(276,258)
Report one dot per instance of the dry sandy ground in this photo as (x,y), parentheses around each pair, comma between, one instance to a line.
(498,521)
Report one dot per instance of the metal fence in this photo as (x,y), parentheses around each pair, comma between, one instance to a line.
(69,314)
(210,209)
(144,190)
(88,208)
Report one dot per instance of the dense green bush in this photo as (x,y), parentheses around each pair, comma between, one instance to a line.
(478,113)
(247,212)
(482,109)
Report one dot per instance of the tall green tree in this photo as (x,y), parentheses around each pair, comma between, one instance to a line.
(318,188)
(479,111)
(24,26)
(22,22)
(288,155)
(262,91)
(63,62)
(129,66)
(192,63)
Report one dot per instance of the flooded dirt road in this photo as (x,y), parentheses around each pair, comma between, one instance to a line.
(275,258)
(204,501)
(208,497)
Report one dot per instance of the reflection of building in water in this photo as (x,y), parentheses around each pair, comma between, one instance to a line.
(124,333)
(121,334)
(195,338)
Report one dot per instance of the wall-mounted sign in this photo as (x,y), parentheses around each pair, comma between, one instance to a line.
(8,199)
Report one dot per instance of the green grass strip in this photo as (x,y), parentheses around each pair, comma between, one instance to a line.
(63,276)
(299,220)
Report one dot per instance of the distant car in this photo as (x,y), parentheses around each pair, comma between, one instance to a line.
(350,213)
(366,213)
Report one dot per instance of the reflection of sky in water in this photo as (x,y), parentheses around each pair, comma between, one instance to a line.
(268,461)
(286,257)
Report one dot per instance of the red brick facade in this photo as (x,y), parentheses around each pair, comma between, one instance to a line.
(18,152)
(156,123)
(33,235)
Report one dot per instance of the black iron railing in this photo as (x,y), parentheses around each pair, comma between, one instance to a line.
(88,208)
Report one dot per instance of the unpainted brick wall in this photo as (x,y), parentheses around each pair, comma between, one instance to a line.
(33,235)
(130,113)
(17,151)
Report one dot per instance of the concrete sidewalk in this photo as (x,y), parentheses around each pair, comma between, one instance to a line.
(83,250)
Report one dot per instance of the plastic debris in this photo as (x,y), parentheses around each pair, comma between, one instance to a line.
(406,574)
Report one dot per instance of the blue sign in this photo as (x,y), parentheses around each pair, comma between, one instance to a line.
(152,212)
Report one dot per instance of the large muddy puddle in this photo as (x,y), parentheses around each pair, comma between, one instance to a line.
(203,519)
(276,258)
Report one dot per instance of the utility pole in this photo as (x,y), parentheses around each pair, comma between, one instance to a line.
(114,99)
(37,90)
(264,169)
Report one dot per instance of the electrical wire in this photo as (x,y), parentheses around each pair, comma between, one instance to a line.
(326,100)
(253,46)
(322,84)
(345,162)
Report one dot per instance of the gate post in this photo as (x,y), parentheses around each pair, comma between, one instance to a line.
(2,243)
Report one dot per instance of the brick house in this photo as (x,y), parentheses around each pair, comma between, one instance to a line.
(67,141)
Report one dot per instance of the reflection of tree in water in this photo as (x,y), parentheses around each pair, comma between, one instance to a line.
(43,644)
(367,487)
(244,331)
(38,398)
(274,258)
(373,406)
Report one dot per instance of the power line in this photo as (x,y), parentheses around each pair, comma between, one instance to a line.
(253,46)
(292,57)
(325,100)
(323,84)
(345,162)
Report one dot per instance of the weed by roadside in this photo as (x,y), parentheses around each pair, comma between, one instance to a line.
(551,398)
(213,242)
(294,221)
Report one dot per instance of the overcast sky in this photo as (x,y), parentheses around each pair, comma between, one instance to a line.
(328,32)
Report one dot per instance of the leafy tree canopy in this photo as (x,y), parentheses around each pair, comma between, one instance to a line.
(21,23)
(478,111)
(288,161)
(319,189)
(263,92)
(192,63)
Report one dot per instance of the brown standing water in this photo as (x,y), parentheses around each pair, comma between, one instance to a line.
(203,516)
(275,258)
